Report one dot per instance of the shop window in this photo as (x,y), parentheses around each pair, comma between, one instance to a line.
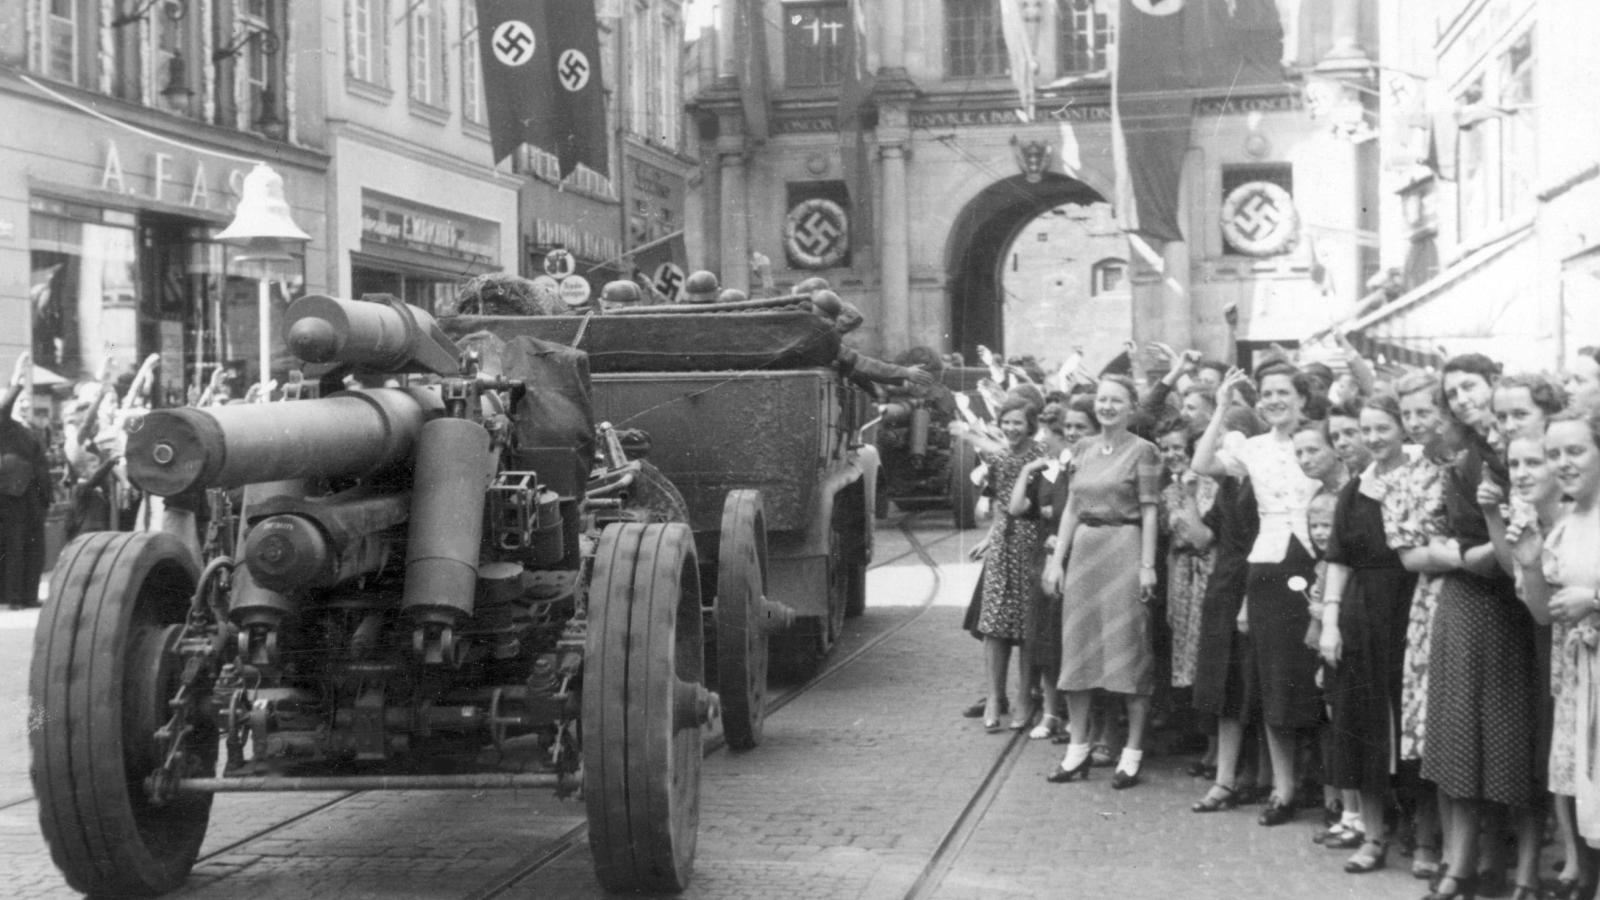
(814,43)
(1518,131)
(425,54)
(367,41)
(1108,276)
(472,100)
(84,289)
(973,44)
(1083,36)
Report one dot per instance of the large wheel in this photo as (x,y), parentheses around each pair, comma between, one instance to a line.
(643,705)
(741,649)
(963,493)
(101,677)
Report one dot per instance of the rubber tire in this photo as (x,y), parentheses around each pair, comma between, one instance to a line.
(801,650)
(741,634)
(642,746)
(963,493)
(100,680)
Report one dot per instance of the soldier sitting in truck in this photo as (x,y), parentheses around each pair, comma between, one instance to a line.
(865,371)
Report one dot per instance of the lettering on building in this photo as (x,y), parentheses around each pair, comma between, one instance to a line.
(386,223)
(583,244)
(169,178)
(1006,115)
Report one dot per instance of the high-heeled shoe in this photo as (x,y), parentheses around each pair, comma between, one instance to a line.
(1062,776)
(1370,858)
(1276,813)
(1465,888)
(1047,727)
(1212,802)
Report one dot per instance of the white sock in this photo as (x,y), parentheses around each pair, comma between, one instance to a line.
(1129,763)
(1076,754)
(1351,820)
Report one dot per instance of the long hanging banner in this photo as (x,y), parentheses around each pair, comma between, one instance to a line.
(541,79)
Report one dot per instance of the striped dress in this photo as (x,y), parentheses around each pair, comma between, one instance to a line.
(1105,626)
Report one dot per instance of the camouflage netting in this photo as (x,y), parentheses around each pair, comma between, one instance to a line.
(501,294)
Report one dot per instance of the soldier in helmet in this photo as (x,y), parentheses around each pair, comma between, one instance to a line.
(620,295)
(732,295)
(865,371)
(701,287)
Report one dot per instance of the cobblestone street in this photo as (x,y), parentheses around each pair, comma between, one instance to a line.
(855,786)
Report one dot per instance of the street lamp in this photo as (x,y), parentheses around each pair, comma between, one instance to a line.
(263,234)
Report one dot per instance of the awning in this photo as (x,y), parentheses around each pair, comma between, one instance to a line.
(1486,302)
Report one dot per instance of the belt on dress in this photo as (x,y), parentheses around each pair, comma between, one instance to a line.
(1092,521)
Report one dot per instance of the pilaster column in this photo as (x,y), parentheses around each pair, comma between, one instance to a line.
(1346,50)
(895,250)
(892,36)
(735,221)
(728,41)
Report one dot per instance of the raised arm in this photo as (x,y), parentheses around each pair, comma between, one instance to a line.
(1206,459)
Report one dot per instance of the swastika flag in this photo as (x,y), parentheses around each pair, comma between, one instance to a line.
(1170,53)
(541,79)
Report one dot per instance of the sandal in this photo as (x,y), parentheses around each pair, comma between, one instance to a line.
(1213,802)
(1370,858)
(1047,727)
(1425,863)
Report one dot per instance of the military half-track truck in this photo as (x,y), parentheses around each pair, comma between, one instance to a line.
(451,579)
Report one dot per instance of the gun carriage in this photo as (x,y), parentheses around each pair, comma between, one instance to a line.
(452,581)
(923,466)
(743,397)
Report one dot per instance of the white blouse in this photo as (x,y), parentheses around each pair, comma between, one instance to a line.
(1282,491)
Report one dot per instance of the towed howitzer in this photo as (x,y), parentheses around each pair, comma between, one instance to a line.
(412,604)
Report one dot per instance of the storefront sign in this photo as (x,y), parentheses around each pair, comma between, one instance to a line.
(397,223)
(583,244)
(1009,115)
(177,177)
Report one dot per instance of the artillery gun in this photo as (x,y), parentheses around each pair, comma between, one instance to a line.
(455,581)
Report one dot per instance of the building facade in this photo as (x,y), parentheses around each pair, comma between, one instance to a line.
(1491,182)
(136,130)
(945,173)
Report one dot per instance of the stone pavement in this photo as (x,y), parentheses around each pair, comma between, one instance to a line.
(854,787)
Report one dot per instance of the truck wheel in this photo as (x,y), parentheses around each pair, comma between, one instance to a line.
(644,702)
(963,493)
(741,648)
(103,670)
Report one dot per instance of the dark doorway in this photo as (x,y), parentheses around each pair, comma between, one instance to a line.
(977,248)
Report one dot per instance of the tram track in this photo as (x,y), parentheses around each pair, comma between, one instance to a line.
(551,850)
(570,841)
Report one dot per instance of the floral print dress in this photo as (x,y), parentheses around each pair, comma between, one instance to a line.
(1012,566)
(1413,515)
(1188,570)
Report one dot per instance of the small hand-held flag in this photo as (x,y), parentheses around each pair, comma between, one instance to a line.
(541,78)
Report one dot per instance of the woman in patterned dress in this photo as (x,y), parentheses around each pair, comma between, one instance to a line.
(1105,629)
(1413,517)
(1534,510)
(1277,614)
(1482,691)
(1565,580)
(1011,562)
(1185,499)
(1522,405)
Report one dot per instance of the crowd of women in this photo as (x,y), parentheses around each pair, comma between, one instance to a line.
(1379,597)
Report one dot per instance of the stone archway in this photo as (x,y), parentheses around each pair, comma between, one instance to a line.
(977,246)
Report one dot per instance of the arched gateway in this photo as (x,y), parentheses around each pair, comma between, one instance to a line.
(975,251)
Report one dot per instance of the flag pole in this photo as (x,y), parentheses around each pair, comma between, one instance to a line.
(639,249)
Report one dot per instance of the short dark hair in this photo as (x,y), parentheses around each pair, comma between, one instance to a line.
(1543,391)
(1384,402)
(1028,408)
(1084,403)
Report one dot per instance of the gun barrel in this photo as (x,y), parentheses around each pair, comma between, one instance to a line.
(347,434)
